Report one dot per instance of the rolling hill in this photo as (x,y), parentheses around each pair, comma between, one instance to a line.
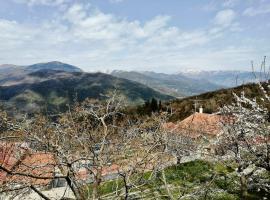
(51,90)
(212,101)
(172,84)
(55,65)
(13,74)
(225,78)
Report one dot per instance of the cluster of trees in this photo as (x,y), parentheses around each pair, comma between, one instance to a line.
(150,106)
(96,134)
(246,139)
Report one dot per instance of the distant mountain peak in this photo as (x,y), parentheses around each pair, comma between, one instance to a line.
(227,78)
(53,65)
(7,65)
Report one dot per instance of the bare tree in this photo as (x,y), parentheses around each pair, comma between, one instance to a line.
(246,138)
(82,136)
(82,146)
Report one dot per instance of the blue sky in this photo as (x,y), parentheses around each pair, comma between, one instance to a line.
(160,35)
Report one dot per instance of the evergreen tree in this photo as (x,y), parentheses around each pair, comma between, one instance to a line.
(154,105)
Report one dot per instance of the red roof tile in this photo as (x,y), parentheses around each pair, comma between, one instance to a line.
(18,159)
(197,125)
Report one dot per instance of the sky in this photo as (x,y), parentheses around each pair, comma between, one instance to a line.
(145,35)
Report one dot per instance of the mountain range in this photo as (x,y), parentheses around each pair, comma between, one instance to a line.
(172,84)
(224,78)
(52,86)
(13,74)
(190,83)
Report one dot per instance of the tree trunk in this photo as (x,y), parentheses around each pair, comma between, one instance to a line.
(96,184)
(178,160)
(167,187)
(244,188)
(126,185)
(77,193)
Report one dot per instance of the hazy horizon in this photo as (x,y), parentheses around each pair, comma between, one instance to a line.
(161,36)
(109,71)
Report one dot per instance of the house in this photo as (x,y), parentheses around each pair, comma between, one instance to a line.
(19,159)
(26,164)
(108,172)
(198,125)
(202,129)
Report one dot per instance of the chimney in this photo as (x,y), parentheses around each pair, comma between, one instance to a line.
(201,109)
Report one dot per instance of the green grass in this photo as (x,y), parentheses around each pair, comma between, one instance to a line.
(27,96)
(55,99)
(195,172)
(185,179)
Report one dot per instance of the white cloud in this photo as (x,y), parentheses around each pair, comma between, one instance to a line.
(42,2)
(210,6)
(75,13)
(93,39)
(254,11)
(230,3)
(214,5)
(116,1)
(225,17)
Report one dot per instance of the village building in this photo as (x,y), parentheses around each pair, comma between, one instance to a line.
(202,128)
(26,164)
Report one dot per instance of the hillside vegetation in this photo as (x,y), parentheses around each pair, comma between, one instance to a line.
(58,89)
(212,101)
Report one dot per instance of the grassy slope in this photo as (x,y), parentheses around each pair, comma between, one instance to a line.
(183,180)
(212,101)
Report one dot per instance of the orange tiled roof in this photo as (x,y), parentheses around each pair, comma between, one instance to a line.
(197,125)
(37,164)
(9,156)
(22,160)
